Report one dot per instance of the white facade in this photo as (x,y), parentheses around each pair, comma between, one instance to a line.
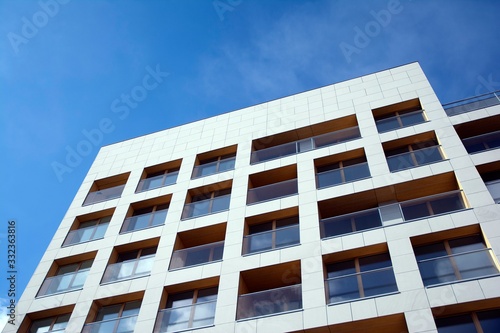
(411,307)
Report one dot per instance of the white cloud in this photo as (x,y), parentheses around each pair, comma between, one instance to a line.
(3,312)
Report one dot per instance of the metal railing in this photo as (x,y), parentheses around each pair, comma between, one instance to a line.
(342,175)
(472,103)
(311,143)
(211,168)
(205,207)
(143,221)
(407,210)
(269,302)
(64,282)
(86,234)
(103,195)
(272,239)
(157,181)
(115,325)
(482,142)
(197,255)
(128,269)
(399,121)
(415,158)
(459,266)
(272,191)
(186,317)
(359,285)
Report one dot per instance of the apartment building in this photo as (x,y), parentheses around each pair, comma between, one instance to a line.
(365,205)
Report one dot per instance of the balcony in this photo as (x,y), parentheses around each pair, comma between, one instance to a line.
(472,103)
(186,317)
(271,240)
(342,175)
(164,179)
(404,211)
(272,191)
(269,302)
(144,221)
(461,266)
(205,207)
(128,269)
(63,283)
(415,158)
(482,142)
(115,325)
(311,143)
(360,285)
(400,121)
(104,194)
(211,168)
(197,255)
(86,234)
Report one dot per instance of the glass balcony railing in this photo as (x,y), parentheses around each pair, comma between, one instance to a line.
(186,317)
(482,142)
(360,285)
(343,175)
(128,269)
(197,255)
(157,181)
(472,103)
(116,325)
(295,147)
(205,207)
(143,221)
(86,234)
(213,167)
(407,210)
(415,158)
(272,239)
(272,191)
(460,266)
(64,282)
(493,187)
(268,302)
(103,195)
(345,224)
(399,121)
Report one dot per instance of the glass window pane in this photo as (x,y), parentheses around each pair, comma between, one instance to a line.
(220,203)
(151,183)
(490,320)
(171,178)
(41,325)
(196,257)
(203,314)
(144,265)
(126,325)
(100,231)
(447,204)
(412,119)
(335,227)
(108,312)
(466,244)
(343,289)
(131,308)
(208,294)
(437,271)
(387,124)
(260,242)
(430,251)
(355,172)
(180,299)
(367,220)
(456,324)
(415,210)
(400,162)
(341,268)
(374,262)
(329,178)
(475,264)
(379,282)
(218,251)
(287,236)
(159,217)
(225,165)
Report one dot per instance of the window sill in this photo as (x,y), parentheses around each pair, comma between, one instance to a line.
(463,280)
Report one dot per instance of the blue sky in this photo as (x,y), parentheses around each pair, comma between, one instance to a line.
(66,65)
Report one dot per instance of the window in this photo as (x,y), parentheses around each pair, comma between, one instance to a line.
(214,165)
(359,278)
(271,235)
(490,173)
(145,217)
(455,259)
(433,205)
(67,278)
(130,265)
(480,135)
(342,172)
(158,179)
(395,116)
(88,231)
(186,310)
(206,202)
(117,318)
(106,189)
(413,155)
(481,322)
(56,324)
(272,184)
